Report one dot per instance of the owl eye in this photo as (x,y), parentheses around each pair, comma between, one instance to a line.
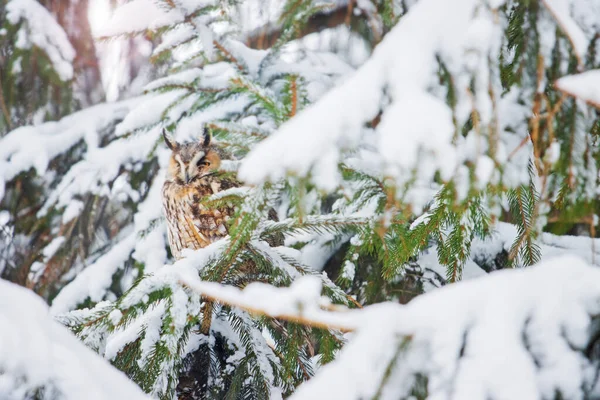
(203,163)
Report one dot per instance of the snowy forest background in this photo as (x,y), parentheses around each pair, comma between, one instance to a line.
(405,145)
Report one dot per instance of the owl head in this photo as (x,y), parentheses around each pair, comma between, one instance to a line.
(191,161)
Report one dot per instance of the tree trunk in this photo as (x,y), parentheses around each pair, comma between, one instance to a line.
(73,17)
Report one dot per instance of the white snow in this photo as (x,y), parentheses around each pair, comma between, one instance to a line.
(348,270)
(517,335)
(148,112)
(414,123)
(115,316)
(190,128)
(148,15)
(185,77)
(73,209)
(585,86)
(174,37)
(36,352)
(95,279)
(35,146)
(52,247)
(150,246)
(423,139)
(300,301)
(251,58)
(449,331)
(125,335)
(42,31)
(167,275)
(560,11)
(93,173)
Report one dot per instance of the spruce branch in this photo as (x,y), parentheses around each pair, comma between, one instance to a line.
(340,320)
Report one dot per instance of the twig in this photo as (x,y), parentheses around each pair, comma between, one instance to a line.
(228,55)
(559,22)
(587,101)
(317,318)
(294,90)
(535,119)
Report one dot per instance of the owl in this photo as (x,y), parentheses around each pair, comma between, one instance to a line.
(193,174)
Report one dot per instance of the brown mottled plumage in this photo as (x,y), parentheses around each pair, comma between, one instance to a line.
(192,175)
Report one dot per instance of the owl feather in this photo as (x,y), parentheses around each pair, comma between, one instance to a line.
(192,175)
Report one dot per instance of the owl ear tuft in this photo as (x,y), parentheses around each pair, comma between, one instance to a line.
(206,137)
(169,140)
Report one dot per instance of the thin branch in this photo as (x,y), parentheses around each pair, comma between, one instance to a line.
(345,321)
(294,95)
(561,23)
(228,55)
(571,94)
(265,37)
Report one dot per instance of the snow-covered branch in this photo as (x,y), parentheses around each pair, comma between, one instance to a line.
(396,78)
(377,179)
(300,303)
(512,334)
(41,30)
(36,146)
(40,357)
(584,86)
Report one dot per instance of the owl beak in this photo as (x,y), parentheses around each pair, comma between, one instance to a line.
(187,178)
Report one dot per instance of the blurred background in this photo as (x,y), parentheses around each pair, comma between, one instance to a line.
(106,66)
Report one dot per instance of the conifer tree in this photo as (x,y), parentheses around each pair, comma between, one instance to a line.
(36,72)
(465,143)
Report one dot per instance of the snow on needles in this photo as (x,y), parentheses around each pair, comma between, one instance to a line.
(42,30)
(417,136)
(402,67)
(585,86)
(519,334)
(148,15)
(36,352)
(151,15)
(35,146)
(560,11)
(95,279)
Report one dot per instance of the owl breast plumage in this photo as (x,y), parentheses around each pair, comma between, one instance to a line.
(193,176)
(191,225)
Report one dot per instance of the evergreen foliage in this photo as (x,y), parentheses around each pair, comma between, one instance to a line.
(35,66)
(377,231)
